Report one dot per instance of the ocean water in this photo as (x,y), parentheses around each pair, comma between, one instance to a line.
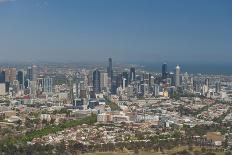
(194,68)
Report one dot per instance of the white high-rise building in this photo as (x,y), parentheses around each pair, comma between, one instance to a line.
(177,76)
(123,83)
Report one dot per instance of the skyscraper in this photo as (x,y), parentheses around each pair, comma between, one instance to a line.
(125,77)
(217,86)
(3,77)
(119,80)
(110,69)
(32,73)
(29,73)
(20,78)
(177,76)
(164,71)
(47,84)
(104,80)
(132,74)
(96,81)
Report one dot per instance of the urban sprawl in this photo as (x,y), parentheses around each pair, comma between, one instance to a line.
(65,109)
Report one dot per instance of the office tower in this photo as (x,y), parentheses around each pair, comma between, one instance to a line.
(104,81)
(207,82)
(2,77)
(47,84)
(33,88)
(27,84)
(177,75)
(132,74)
(152,80)
(20,78)
(126,77)
(206,86)
(144,89)
(164,71)
(7,84)
(29,73)
(2,89)
(156,90)
(96,81)
(10,75)
(119,80)
(147,79)
(90,79)
(110,69)
(124,83)
(32,73)
(172,77)
(218,87)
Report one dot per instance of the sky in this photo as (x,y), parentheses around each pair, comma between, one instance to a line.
(195,31)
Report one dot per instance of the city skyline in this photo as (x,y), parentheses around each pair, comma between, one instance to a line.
(138,31)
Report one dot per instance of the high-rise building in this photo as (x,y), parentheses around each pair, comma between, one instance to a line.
(119,80)
(207,82)
(218,87)
(110,69)
(132,74)
(147,79)
(20,78)
(2,89)
(126,77)
(3,77)
(124,83)
(47,84)
(104,80)
(177,76)
(172,77)
(29,73)
(10,75)
(32,73)
(164,71)
(96,81)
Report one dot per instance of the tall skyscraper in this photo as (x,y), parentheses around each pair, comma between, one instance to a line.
(96,81)
(110,69)
(132,74)
(29,73)
(119,80)
(147,79)
(125,77)
(104,80)
(20,78)
(164,71)
(218,87)
(3,77)
(177,75)
(10,75)
(47,84)
(32,73)
(207,82)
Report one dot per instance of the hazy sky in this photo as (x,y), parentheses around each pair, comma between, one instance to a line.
(126,30)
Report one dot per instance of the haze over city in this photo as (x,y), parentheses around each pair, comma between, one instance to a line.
(131,30)
(115,77)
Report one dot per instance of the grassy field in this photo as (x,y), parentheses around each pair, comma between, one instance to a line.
(166,152)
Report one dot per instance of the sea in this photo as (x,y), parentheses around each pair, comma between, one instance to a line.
(192,68)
